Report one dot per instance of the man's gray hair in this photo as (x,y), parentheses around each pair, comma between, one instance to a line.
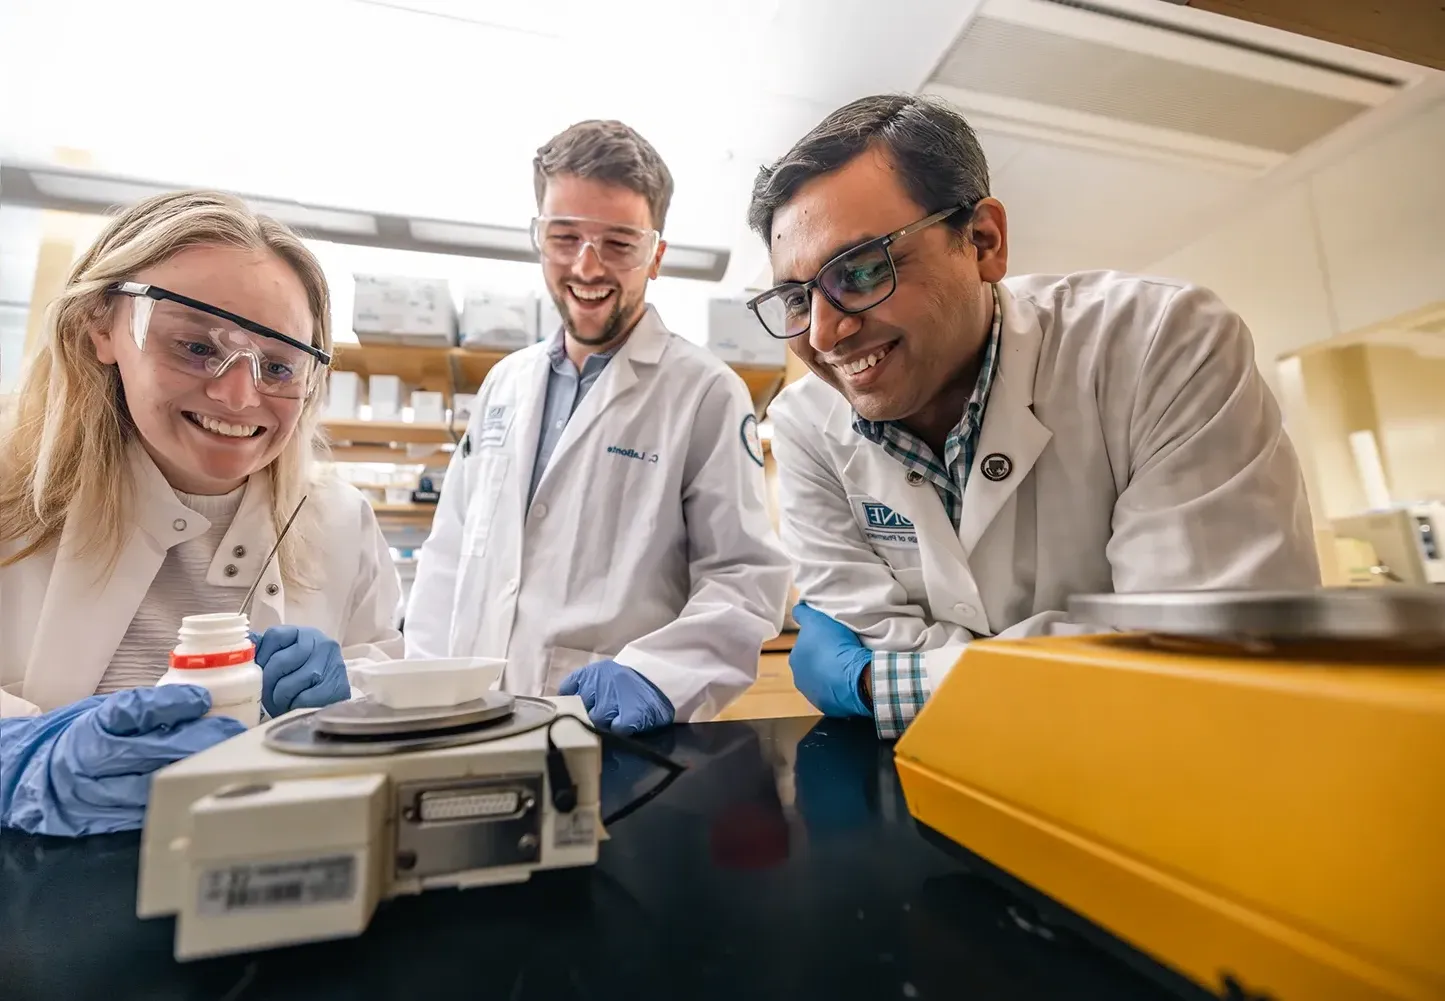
(611,152)
(936,152)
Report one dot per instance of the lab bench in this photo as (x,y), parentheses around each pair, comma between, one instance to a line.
(782,864)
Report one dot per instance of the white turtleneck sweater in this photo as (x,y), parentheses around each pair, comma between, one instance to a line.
(179,589)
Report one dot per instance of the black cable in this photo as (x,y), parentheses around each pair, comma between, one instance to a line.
(564,790)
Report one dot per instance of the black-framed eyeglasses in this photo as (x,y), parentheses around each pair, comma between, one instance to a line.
(855,281)
(184,334)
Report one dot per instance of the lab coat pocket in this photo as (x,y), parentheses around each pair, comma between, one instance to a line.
(490,475)
(562,661)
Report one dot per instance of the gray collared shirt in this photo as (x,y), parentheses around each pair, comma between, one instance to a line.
(565,389)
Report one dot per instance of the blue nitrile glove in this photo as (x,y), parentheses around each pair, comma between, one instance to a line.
(828,662)
(86,768)
(301,668)
(618,698)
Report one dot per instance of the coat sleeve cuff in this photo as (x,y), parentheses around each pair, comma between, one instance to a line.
(900,688)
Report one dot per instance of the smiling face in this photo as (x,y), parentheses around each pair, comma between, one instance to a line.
(909,357)
(208,435)
(598,304)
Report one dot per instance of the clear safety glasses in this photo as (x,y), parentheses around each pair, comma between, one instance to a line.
(190,336)
(564,239)
(855,281)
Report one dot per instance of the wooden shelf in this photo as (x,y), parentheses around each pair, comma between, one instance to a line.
(404,512)
(438,369)
(432,458)
(382,433)
(461,370)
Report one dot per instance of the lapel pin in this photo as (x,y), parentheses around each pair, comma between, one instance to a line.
(996,466)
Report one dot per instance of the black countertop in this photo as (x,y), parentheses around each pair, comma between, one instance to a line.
(782,864)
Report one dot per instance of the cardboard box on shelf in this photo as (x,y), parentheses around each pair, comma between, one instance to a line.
(735,335)
(385,397)
(498,322)
(462,405)
(394,310)
(343,396)
(428,407)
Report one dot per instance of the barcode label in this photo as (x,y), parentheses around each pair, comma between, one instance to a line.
(278,884)
(576,828)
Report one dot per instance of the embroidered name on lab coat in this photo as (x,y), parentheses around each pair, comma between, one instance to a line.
(883,524)
(631,453)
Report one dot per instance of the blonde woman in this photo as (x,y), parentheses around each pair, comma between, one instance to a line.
(160,438)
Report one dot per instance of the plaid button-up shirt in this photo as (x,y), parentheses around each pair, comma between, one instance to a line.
(900,685)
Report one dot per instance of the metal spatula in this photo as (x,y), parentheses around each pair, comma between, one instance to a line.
(251,594)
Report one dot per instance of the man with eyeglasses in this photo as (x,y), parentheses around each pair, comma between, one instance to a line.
(603,524)
(969,451)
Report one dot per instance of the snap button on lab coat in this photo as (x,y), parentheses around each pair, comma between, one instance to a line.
(230,570)
(914,477)
(179,524)
(271,589)
(540,510)
(511,586)
(239,552)
(964,610)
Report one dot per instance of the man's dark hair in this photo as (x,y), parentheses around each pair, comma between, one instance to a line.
(611,152)
(937,155)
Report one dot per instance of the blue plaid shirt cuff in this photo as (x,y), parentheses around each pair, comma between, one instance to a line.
(900,687)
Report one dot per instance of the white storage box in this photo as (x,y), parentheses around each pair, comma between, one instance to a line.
(428,407)
(735,335)
(385,394)
(392,310)
(498,322)
(343,396)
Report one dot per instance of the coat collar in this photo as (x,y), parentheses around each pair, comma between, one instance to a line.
(66,662)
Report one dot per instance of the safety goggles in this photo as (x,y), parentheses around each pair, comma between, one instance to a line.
(196,338)
(856,280)
(564,239)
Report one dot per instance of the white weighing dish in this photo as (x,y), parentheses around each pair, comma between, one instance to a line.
(293,832)
(414,684)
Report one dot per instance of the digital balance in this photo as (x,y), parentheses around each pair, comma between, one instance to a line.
(1243,794)
(295,830)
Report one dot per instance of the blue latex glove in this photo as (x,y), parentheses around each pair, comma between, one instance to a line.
(828,662)
(301,668)
(618,698)
(86,768)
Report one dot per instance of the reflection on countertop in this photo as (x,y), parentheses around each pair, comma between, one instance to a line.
(781,864)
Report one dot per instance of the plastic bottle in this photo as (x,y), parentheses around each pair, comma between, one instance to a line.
(214,651)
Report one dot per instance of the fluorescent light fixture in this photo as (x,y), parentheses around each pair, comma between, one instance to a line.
(327,220)
(68,190)
(690,258)
(98,190)
(465,234)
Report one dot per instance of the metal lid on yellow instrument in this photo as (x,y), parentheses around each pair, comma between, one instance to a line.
(1413,616)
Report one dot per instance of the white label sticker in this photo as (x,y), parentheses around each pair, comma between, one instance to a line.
(575,829)
(278,884)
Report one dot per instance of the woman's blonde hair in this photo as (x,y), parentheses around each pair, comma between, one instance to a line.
(63,445)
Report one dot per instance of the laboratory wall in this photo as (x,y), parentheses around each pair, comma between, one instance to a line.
(1358,241)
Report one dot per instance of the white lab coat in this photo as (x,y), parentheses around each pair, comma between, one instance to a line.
(62,618)
(1145,452)
(648,540)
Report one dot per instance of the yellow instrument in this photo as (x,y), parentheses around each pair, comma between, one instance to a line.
(1247,788)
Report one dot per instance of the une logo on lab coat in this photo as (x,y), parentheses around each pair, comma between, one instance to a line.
(883,524)
(631,453)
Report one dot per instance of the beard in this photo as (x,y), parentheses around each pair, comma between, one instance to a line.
(618,322)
